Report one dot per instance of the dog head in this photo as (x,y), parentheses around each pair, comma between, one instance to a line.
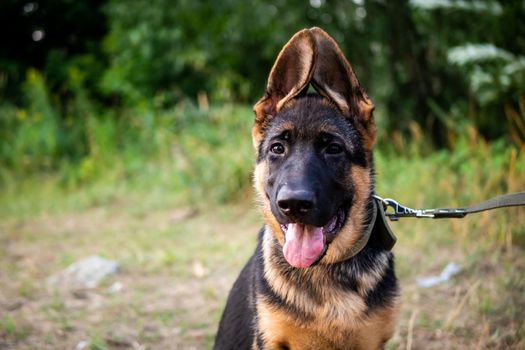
(314,172)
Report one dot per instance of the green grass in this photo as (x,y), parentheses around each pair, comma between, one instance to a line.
(183,222)
(187,153)
(13,330)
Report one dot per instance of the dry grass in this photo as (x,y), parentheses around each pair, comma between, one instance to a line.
(176,275)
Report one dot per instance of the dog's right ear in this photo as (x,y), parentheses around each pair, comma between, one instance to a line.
(335,79)
(290,75)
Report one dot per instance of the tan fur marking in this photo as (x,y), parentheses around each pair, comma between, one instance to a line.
(352,230)
(378,329)
(367,281)
(340,307)
(259,176)
(257,137)
(279,284)
(285,125)
(277,327)
(368,132)
(367,107)
(258,132)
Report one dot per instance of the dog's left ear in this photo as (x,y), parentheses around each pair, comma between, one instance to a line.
(289,76)
(335,79)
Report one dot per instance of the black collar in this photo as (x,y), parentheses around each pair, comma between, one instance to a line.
(383,234)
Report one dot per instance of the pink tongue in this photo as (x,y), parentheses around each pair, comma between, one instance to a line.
(304,244)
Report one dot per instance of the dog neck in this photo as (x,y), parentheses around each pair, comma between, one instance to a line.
(362,242)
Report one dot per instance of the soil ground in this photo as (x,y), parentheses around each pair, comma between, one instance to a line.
(178,265)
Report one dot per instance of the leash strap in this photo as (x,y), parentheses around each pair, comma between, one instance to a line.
(401,211)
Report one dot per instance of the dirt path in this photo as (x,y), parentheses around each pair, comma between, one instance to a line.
(177,268)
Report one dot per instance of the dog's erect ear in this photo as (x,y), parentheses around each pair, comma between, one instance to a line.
(290,75)
(335,79)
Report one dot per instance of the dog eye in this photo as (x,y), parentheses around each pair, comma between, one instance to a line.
(277,148)
(334,148)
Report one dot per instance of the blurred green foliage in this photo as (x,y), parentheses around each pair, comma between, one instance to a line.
(91,85)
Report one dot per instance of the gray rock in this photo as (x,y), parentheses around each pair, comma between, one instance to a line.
(84,274)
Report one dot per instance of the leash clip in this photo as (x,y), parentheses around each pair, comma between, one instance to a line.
(401,211)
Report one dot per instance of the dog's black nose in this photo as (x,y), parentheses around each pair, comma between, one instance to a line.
(295,203)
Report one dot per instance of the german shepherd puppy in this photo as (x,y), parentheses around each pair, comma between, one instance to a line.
(322,276)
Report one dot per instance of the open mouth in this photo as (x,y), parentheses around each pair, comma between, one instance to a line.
(305,245)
